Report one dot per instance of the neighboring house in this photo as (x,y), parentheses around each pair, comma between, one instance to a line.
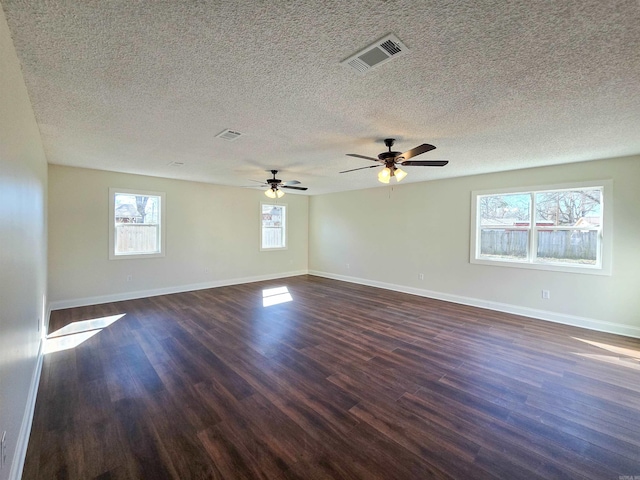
(127,213)
(273,218)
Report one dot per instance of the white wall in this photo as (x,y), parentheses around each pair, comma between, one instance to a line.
(23,184)
(212,238)
(389,236)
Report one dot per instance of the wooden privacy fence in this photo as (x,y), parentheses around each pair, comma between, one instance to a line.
(271,237)
(576,245)
(136,238)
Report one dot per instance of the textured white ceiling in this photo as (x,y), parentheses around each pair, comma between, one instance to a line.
(132,86)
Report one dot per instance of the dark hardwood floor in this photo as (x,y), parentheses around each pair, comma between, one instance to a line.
(344,381)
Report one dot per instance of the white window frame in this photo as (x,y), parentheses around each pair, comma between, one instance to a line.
(112,224)
(603,264)
(284,227)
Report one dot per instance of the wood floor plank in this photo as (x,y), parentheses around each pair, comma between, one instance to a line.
(102,448)
(140,440)
(345,381)
(498,435)
(452,453)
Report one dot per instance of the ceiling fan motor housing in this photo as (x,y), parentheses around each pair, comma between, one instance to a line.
(389,156)
(274,181)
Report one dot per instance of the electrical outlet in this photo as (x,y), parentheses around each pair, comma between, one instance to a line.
(129,278)
(421,276)
(347,266)
(546,294)
(3,449)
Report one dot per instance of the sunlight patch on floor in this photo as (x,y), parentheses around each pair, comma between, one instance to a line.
(623,362)
(84,325)
(67,342)
(275,296)
(628,352)
(624,357)
(76,333)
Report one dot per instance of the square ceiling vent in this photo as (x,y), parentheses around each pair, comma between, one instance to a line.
(228,135)
(376,54)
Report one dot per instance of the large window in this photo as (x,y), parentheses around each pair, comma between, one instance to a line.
(546,228)
(273,227)
(135,223)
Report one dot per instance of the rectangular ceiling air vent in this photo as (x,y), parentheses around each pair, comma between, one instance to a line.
(376,54)
(228,135)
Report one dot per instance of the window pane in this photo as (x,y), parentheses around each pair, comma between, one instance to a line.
(504,244)
(567,246)
(136,239)
(569,208)
(131,208)
(137,224)
(273,226)
(507,209)
(551,228)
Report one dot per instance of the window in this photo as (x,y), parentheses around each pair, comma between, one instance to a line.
(136,221)
(273,227)
(553,228)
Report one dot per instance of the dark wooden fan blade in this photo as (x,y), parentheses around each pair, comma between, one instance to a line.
(425,163)
(362,156)
(425,147)
(293,188)
(361,168)
(291,182)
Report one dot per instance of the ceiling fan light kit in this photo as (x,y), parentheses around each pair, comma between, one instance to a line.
(391,159)
(399,174)
(385,175)
(274,192)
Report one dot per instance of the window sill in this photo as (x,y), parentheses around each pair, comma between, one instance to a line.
(579,269)
(135,256)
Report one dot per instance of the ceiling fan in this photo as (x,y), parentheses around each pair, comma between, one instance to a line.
(275,185)
(390,160)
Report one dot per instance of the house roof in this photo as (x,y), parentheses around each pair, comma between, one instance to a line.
(141,87)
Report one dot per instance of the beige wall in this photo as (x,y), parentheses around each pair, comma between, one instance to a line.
(23,184)
(390,235)
(212,238)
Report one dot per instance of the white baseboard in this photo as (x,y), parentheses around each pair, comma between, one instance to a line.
(20,455)
(576,321)
(118,297)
